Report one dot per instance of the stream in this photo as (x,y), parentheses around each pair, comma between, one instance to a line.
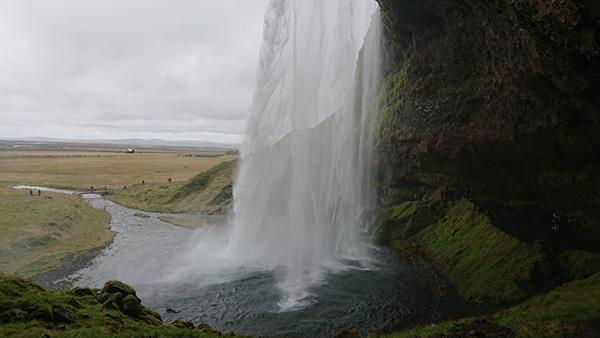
(147,252)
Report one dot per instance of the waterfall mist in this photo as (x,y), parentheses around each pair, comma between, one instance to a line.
(304,187)
(304,193)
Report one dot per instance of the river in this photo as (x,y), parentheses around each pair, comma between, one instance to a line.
(145,253)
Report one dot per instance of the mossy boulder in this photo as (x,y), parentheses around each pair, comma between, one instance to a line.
(26,310)
(13,315)
(61,314)
(113,287)
(203,327)
(183,324)
(118,295)
(131,306)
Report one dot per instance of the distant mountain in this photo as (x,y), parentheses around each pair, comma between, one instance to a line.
(132,142)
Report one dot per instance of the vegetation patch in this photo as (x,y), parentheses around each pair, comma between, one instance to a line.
(558,313)
(184,221)
(486,265)
(490,266)
(208,192)
(149,197)
(390,101)
(570,309)
(27,310)
(38,232)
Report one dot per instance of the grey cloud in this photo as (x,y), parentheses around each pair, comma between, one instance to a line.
(128,68)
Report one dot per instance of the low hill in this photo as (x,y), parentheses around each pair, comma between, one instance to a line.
(209,192)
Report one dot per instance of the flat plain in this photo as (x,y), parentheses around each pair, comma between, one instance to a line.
(111,168)
(37,233)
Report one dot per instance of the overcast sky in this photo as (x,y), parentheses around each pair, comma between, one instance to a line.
(171,69)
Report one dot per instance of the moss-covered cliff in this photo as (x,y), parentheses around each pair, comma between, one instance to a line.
(489,140)
(497,101)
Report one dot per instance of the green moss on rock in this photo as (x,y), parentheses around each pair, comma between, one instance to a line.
(27,310)
(486,265)
(570,310)
(390,100)
(559,313)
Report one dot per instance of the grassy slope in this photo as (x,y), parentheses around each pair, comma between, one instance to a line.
(556,314)
(184,221)
(83,169)
(208,192)
(38,232)
(489,266)
(82,314)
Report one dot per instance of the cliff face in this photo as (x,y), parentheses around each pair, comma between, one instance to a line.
(496,102)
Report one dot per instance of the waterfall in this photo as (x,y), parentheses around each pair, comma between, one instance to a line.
(304,195)
(304,187)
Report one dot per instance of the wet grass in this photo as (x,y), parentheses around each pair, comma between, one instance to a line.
(38,232)
(556,291)
(486,265)
(556,313)
(26,310)
(566,310)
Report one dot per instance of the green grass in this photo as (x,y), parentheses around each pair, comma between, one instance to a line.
(558,313)
(486,265)
(148,197)
(207,192)
(81,313)
(489,266)
(406,220)
(38,232)
(184,221)
(388,127)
